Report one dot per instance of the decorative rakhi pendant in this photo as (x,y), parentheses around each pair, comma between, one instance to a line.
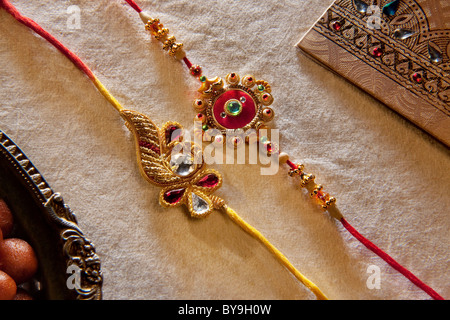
(234,103)
(165,160)
(223,105)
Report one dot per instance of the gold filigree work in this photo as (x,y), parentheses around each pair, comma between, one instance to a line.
(165,160)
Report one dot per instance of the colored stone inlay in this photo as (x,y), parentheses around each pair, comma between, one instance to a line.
(182,164)
(208,181)
(233,107)
(199,205)
(239,107)
(174,196)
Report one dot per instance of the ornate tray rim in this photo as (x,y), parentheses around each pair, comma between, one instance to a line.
(77,250)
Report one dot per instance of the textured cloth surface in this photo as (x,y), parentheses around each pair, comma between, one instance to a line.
(391,179)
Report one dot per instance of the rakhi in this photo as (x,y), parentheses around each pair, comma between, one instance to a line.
(183,180)
(244,103)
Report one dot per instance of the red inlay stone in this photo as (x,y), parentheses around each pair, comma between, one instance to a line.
(337,25)
(417,77)
(208,181)
(170,136)
(200,117)
(174,196)
(196,70)
(377,52)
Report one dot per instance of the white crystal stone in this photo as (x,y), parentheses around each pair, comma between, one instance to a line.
(199,205)
(182,164)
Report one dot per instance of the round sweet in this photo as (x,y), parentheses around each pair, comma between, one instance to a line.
(18,259)
(22,295)
(6,219)
(8,287)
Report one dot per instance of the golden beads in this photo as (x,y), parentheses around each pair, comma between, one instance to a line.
(156,28)
(316,190)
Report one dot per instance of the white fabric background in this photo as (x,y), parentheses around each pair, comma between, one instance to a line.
(391,179)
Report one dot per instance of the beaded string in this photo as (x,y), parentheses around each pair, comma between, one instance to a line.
(169,42)
(324,199)
(217,202)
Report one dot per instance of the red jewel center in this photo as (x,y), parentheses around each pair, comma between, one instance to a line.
(246,115)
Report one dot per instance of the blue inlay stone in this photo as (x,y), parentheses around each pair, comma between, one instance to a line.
(391,8)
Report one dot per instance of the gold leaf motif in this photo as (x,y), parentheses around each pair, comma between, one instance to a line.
(155,152)
(149,151)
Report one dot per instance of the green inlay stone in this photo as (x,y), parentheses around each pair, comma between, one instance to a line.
(233,107)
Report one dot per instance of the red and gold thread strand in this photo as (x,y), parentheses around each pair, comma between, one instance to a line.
(64,50)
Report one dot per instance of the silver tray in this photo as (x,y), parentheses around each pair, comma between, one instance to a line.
(69,268)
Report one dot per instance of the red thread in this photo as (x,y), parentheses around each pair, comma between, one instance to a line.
(383,255)
(134,5)
(187,62)
(291,164)
(39,30)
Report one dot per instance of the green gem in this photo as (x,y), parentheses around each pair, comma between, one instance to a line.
(202,78)
(261,87)
(205,127)
(234,107)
